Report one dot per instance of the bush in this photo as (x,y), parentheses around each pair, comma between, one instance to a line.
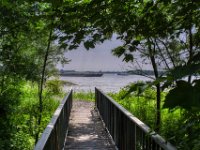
(22,123)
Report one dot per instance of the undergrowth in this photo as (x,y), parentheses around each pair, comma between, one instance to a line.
(24,116)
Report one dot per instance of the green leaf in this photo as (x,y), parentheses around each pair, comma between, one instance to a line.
(63,46)
(62,39)
(119,51)
(136,42)
(159,80)
(128,57)
(183,71)
(137,88)
(183,95)
(71,47)
(195,59)
(89,44)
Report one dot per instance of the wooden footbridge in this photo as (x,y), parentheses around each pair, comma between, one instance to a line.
(103,125)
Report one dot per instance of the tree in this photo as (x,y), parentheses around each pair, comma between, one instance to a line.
(153,28)
(161,31)
(164,32)
(26,55)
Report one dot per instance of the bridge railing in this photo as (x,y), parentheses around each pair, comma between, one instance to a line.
(53,137)
(127,131)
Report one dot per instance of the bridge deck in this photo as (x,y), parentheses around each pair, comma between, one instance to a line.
(86,130)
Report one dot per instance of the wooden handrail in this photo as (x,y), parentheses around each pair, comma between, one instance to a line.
(127,131)
(53,137)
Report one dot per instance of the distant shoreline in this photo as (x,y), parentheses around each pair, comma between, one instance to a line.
(100,73)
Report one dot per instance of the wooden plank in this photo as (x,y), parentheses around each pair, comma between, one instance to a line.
(87,132)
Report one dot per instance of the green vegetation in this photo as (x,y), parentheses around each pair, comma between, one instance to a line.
(28,56)
(86,96)
(178,126)
(158,33)
(35,35)
(24,117)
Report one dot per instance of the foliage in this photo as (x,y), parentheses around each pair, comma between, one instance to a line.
(25,118)
(184,95)
(137,88)
(55,86)
(20,134)
(163,32)
(180,127)
(142,106)
(23,41)
(160,31)
(9,97)
(86,96)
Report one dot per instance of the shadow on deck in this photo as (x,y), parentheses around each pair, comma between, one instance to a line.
(86,130)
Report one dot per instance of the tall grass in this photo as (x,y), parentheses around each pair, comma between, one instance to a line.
(84,96)
(24,119)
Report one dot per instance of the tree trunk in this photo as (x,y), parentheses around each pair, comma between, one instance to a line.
(40,92)
(190,51)
(158,91)
(158,111)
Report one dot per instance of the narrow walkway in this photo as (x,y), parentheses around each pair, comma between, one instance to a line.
(86,130)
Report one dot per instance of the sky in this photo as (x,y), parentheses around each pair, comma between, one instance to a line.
(98,59)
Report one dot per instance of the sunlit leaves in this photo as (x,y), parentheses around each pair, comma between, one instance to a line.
(40,25)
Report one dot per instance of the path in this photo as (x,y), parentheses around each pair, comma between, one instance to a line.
(86,130)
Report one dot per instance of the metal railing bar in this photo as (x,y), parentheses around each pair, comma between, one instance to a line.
(144,129)
(52,126)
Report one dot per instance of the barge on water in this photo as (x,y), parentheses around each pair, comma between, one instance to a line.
(80,74)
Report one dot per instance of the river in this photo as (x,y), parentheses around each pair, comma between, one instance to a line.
(107,83)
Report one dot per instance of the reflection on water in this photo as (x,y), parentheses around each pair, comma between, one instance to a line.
(107,83)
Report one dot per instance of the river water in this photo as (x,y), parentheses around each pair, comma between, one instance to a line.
(107,83)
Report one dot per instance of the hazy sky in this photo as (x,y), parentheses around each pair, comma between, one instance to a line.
(98,59)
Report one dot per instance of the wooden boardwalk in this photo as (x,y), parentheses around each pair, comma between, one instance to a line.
(86,130)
